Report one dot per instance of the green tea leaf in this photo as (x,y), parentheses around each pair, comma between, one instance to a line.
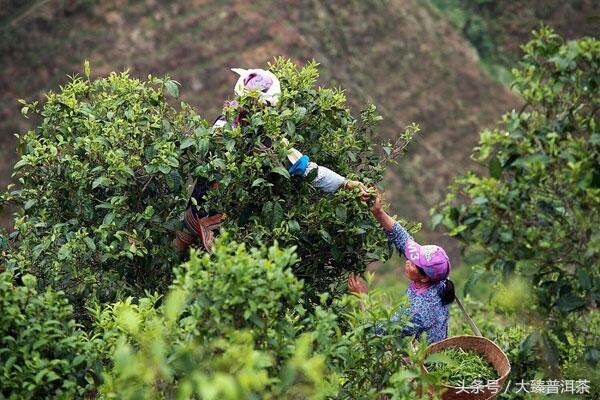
(495,168)
(172,88)
(281,171)
(90,243)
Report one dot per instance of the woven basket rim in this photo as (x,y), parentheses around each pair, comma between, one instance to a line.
(452,338)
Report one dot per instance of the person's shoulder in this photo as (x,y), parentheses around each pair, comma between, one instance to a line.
(419,300)
(426,299)
(434,288)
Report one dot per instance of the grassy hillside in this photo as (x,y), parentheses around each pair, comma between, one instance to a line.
(402,55)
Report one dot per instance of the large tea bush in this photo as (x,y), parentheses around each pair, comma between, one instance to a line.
(538,210)
(104,177)
(335,233)
(101,184)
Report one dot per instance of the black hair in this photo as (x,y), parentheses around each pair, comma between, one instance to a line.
(447,292)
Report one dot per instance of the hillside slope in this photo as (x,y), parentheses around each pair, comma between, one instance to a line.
(398,54)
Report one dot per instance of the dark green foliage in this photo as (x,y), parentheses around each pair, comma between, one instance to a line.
(540,215)
(463,15)
(43,353)
(537,214)
(105,177)
(102,181)
(334,233)
(475,21)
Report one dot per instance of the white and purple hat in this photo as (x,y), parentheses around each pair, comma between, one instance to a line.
(258,79)
(431,258)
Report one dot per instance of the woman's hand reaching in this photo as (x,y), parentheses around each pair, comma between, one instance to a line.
(376,207)
(380,215)
(356,285)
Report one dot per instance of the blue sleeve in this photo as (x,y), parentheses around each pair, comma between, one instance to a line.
(300,166)
(398,236)
(418,325)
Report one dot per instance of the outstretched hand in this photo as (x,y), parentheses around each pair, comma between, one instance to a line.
(356,285)
(380,215)
(364,193)
(376,207)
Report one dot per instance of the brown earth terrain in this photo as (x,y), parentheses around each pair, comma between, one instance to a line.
(402,55)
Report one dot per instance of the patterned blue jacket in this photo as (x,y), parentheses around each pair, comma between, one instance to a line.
(426,313)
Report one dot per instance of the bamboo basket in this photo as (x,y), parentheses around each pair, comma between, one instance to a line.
(486,348)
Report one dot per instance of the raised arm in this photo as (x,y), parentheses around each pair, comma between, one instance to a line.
(395,232)
(326,180)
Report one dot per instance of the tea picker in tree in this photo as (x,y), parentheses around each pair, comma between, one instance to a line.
(430,291)
(200,225)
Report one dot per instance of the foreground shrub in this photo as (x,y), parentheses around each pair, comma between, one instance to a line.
(43,353)
(226,330)
(231,327)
